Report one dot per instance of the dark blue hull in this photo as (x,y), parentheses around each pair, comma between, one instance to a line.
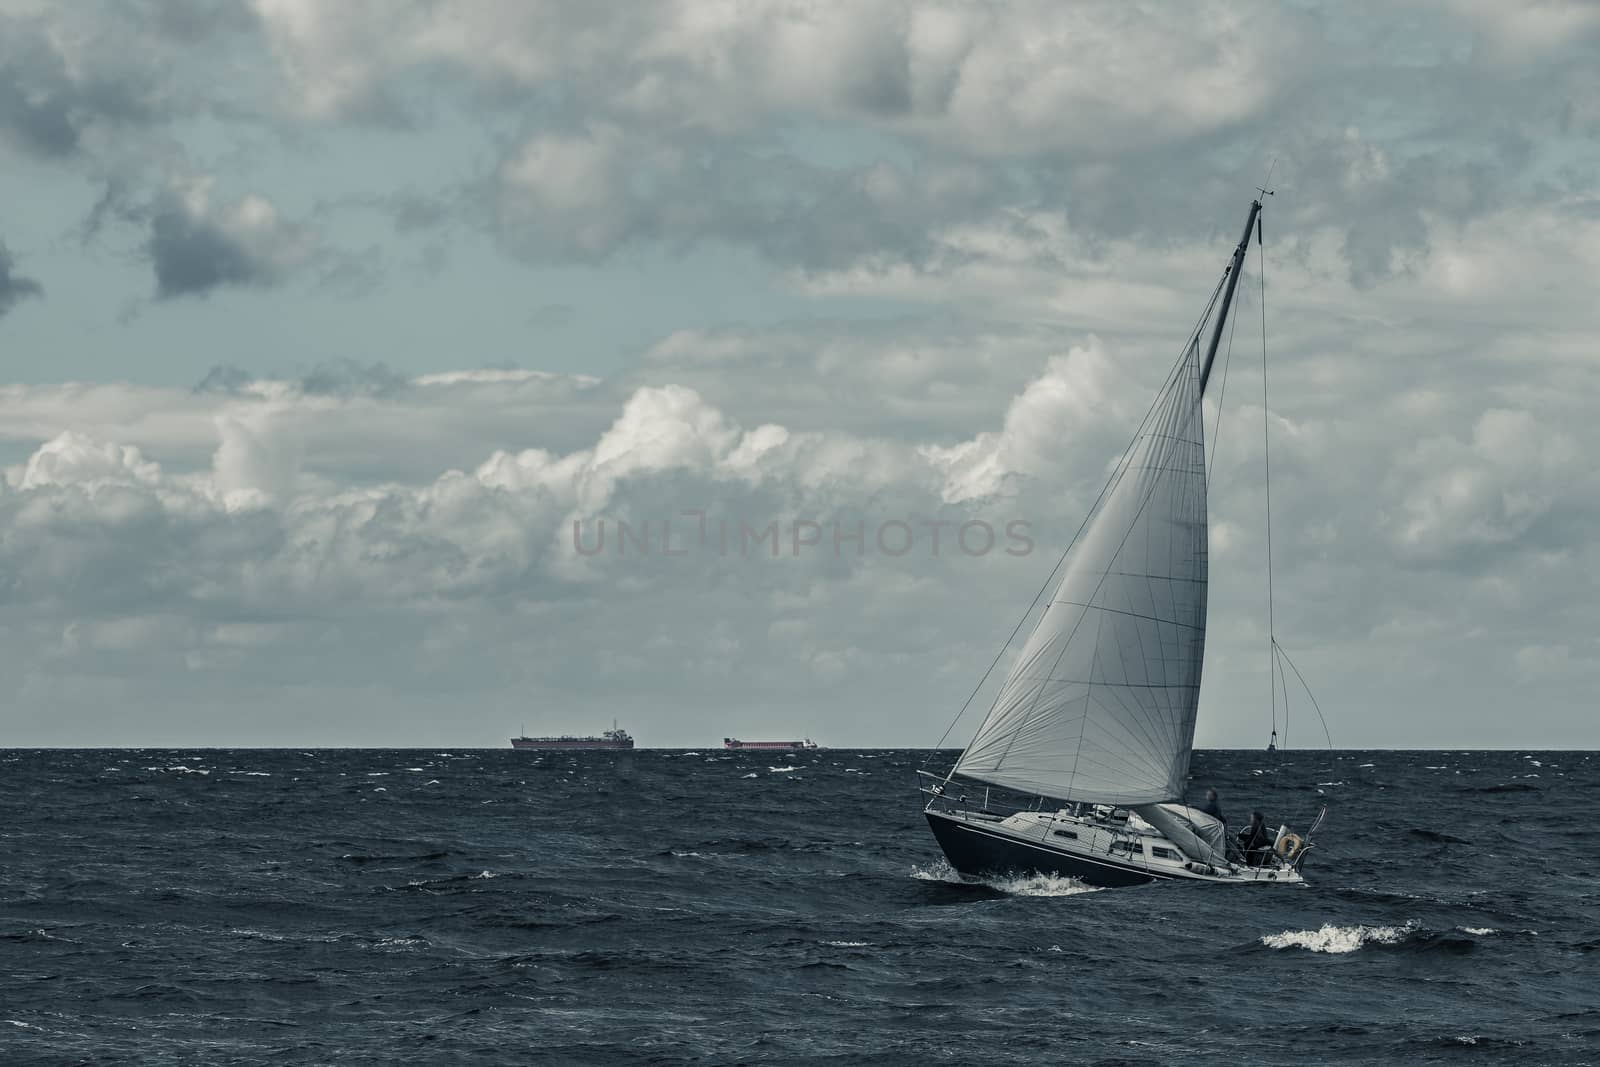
(973,848)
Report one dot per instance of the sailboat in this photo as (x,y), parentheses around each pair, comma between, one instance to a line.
(1081,763)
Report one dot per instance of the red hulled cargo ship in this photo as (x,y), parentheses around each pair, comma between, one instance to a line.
(786,746)
(613,738)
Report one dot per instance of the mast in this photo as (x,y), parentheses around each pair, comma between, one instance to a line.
(1227,294)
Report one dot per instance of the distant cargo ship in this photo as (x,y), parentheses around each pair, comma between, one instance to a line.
(613,738)
(787,746)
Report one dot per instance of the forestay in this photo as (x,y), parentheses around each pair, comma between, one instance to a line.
(1100,706)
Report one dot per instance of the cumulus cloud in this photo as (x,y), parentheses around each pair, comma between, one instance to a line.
(263,539)
(219,537)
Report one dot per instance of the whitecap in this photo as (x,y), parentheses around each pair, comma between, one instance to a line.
(782,770)
(937,872)
(752,774)
(1338,939)
(1033,885)
(1041,885)
(485,874)
(844,944)
(401,942)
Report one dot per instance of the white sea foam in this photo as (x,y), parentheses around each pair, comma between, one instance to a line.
(1479,931)
(844,944)
(937,872)
(484,874)
(402,943)
(1033,885)
(752,774)
(1338,939)
(782,770)
(1041,885)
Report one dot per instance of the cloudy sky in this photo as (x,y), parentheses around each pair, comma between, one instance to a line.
(321,324)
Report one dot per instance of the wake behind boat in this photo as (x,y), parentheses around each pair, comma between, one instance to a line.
(1080,766)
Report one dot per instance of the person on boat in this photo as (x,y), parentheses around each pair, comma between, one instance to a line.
(1254,842)
(1212,808)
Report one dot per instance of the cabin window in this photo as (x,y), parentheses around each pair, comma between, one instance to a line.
(1069,834)
(1162,853)
(1126,846)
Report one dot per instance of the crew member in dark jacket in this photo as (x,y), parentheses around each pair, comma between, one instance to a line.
(1254,842)
(1212,808)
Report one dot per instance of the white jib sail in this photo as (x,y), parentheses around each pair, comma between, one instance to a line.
(1100,706)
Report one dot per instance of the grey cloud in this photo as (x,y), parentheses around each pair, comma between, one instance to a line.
(196,244)
(191,256)
(593,193)
(224,378)
(45,107)
(350,378)
(14,287)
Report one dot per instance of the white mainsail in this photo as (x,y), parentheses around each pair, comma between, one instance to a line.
(1100,706)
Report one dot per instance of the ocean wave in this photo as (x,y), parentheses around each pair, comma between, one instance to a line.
(1340,939)
(782,770)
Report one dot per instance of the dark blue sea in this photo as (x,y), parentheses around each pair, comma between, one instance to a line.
(500,907)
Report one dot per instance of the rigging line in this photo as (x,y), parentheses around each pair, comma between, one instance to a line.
(1283,680)
(1328,737)
(1286,658)
(1116,476)
(1266,461)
